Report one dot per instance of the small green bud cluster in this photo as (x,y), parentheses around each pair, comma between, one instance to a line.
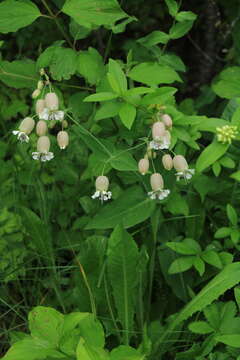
(227,133)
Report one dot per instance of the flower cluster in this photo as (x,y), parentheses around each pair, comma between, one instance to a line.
(226,133)
(48,114)
(102,193)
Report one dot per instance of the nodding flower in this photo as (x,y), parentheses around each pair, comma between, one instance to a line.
(25,128)
(167,120)
(167,162)
(50,111)
(183,172)
(143,166)
(157,185)
(42,153)
(102,193)
(39,106)
(62,139)
(161,137)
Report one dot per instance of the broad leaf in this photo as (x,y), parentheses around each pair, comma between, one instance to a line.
(200,327)
(17,14)
(18,74)
(211,154)
(180,29)
(181,264)
(227,84)
(116,77)
(127,114)
(156,37)
(91,66)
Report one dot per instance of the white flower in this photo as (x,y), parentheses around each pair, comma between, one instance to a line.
(160,145)
(159,194)
(42,156)
(185,174)
(102,195)
(22,137)
(47,114)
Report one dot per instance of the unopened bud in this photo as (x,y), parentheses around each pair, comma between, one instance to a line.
(167,120)
(51,100)
(40,85)
(65,124)
(143,166)
(41,128)
(40,105)
(167,162)
(156,181)
(158,130)
(62,139)
(43,144)
(42,71)
(36,93)
(102,183)
(180,163)
(27,125)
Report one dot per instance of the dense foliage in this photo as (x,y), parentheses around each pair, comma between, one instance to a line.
(88,88)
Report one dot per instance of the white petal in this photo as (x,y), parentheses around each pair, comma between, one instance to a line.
(35,155)
(15,132)
(59,115)
(44,115)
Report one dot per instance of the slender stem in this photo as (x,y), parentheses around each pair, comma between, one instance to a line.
(57,23)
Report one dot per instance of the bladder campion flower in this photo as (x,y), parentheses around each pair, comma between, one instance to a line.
(51,112)
(161,137)
(41,128)
(143,166)
(42,153)
(167,120)
(180,164)
(226,133)
(167,162)
(102,184)
(62,139)
(157,185)
(40,105)
(25,128)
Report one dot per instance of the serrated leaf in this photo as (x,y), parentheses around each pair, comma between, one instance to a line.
(91,66)
(94,12)
(153,74)
(127,114)
(17,14)
(122,269)
(63,63)
(131,208)
(210,154)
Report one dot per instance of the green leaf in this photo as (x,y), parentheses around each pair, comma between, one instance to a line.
(102,96)
(131,208)
(159,96)
(151,73)
(120,27)
(18,74)
(17,14)
(186,15)
(87,352)
(227,84)
(138,91)
(225,280)
(232,215)
(46,324)
(123,161)
(199,265)
(77,31)
(200,327)
(180,29)
(123,352)
(172,7)
(116,77)
(63,63)
(177,204)
(94,12)
(236,176)
(210,154)
(156,37)
(211,257)
(227,162)
(187,247)
(91,66)
(235,234)
(127,114)
(222,232)
(122,269)
(181,264)
(107,110)
(230,340)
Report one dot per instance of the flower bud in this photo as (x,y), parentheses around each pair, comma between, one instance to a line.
(40,105)
(167,162)
(40,85)
(102,183)
(41,128)
(180,163)
(51,100)
(62,139)
(143,166)
(36,93)
(156,181)
(167,120)
(158,130)
(43,144)
(27,125)
(42,71)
